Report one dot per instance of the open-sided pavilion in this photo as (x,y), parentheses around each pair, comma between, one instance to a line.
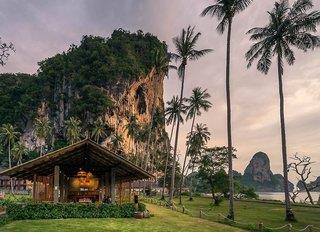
(82,172)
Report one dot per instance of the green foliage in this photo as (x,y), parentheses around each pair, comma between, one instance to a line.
(91,96)
(70,210)
(19,96)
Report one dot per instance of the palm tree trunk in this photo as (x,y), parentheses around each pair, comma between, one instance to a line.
(191,183)
(229,129)
(176,138)
(10,165)
(167,160)
(289,213)
(184,162)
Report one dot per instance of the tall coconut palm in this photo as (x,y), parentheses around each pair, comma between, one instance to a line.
(196,103)
(42,130)
(161,63)
(73,130)
(197,140)
(172,114)
(185,45)
(288,28)
(19,150)
(9,135)
(225,11)
(132,128)
(99,130)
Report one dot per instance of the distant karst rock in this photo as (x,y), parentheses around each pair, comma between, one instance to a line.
(258,175)
(314,185)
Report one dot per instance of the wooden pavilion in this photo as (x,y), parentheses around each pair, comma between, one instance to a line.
(82,172)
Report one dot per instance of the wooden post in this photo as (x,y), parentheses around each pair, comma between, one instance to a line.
(130,189)
(183,209)
(261,227)
(289,228)
(56,184)
(34,188)
(113,185)
(107,184)
(200,213)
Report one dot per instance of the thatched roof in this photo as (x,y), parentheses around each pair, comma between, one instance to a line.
(85,154)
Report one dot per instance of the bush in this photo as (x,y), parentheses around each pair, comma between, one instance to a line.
(70,210)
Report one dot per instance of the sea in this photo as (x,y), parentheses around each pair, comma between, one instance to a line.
(280,196)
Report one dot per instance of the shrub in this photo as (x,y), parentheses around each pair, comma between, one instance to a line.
(32,211)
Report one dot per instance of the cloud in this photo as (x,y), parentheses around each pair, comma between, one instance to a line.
(40,29)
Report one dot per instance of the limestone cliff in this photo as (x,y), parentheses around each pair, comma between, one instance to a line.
(258,174)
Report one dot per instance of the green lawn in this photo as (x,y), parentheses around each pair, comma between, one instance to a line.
(163,220)
(272,215)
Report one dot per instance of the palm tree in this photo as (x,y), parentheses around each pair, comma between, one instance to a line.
(18,152)
(43,130)
(288,27)
(172,114)
(196,103)
(116,141)
(161,63)
(132,128)
(73,130)
(225,11)
(185,45)
(99,130)
(9,135)
(197,139)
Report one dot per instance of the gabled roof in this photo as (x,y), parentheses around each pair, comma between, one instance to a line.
(85,154)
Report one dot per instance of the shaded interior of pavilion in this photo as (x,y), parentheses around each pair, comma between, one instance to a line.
(82,172)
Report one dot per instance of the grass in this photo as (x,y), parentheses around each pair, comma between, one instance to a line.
(163,220)
(252,213)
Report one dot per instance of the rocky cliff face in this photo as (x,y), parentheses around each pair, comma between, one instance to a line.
(139,99)
(258,174)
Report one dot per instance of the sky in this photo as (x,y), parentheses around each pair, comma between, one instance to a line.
(42,28)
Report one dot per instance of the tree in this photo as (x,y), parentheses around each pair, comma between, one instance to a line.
(73,130)
(172,114)
(18,152)
(196,142)
(212,163)
(302,167)
(185,45)
(225,11)
(99,130)
(288,27)
(5,50)
(116,141)
(196,103)
(132,128)
(43,131)
(9,135)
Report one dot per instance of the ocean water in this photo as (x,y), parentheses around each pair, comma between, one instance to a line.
(280,196)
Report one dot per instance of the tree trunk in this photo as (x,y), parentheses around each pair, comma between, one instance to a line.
(167,160)
(10,165)
(177,137)
(289,213)
(308,192)
(191,184)
(184,162)
(229,129)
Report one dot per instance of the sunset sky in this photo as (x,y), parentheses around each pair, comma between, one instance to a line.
(40,29)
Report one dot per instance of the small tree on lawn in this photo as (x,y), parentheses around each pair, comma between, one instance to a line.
(212,165)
